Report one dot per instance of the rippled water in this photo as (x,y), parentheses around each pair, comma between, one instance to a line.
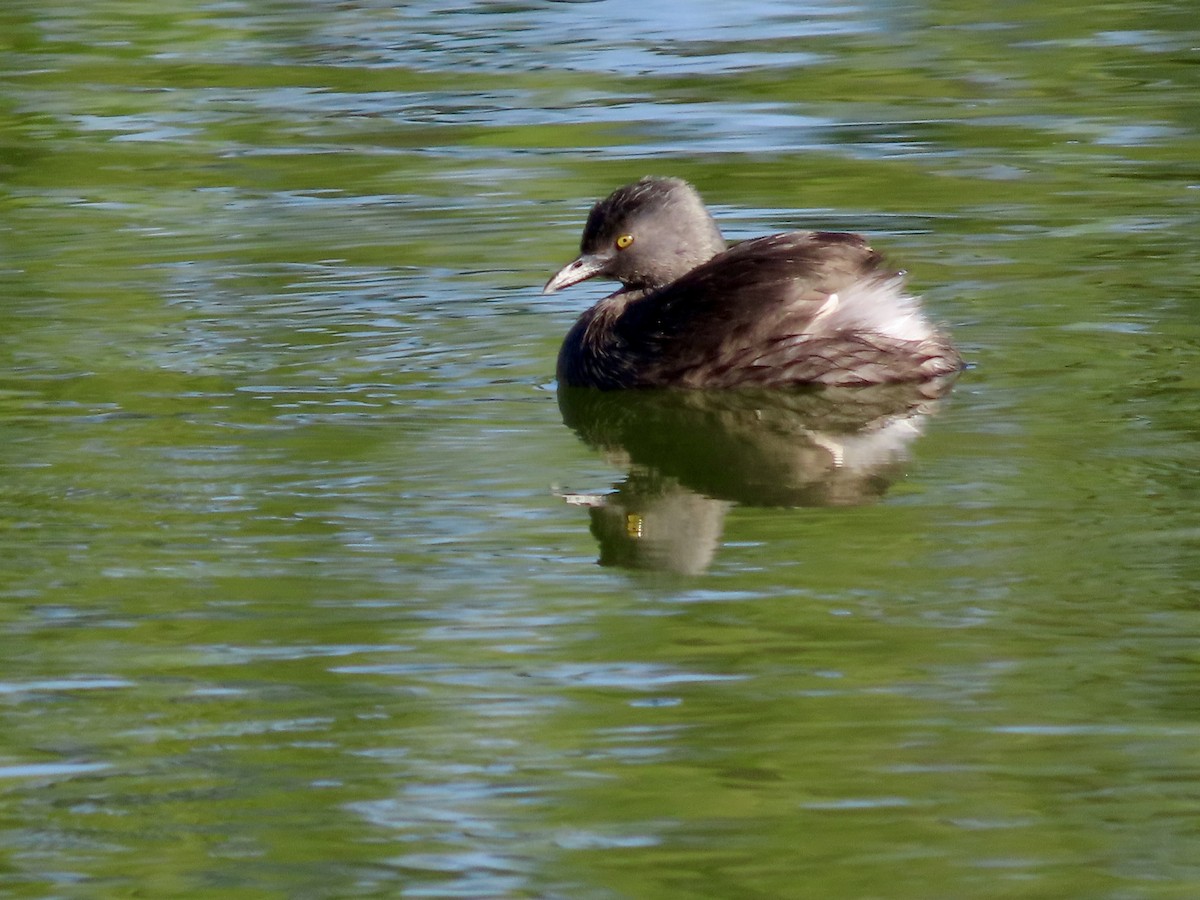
(299,561)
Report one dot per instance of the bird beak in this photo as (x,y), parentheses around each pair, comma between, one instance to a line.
(588,265)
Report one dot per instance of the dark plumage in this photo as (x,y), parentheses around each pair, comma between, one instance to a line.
(804,307)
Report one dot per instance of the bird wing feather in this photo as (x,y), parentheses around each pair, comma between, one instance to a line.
(739,317)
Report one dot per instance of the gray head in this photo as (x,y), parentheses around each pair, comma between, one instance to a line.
(644,235)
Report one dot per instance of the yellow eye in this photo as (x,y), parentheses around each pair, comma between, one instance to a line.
(624,241)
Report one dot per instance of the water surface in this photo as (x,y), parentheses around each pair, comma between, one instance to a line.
(299,562)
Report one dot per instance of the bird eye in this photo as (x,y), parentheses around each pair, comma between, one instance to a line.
(624,241)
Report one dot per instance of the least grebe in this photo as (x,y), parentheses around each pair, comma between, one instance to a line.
(803,307)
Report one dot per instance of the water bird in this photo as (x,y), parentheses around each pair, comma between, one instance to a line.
(796,308)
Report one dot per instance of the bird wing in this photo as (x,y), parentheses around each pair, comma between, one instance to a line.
(741,317)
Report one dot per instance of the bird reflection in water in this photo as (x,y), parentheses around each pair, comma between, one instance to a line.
(691,455)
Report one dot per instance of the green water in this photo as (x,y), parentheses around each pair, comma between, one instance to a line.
(299,593)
